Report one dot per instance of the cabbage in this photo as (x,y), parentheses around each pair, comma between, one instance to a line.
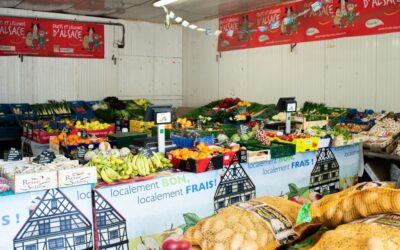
(222,138)
(244,137)
(235,138)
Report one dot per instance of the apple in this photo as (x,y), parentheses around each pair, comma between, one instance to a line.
(176,245)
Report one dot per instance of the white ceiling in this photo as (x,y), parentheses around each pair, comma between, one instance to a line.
(191,10)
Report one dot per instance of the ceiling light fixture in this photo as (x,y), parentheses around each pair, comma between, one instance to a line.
(171,15)
(192,26)
(178,19)
(185,23)
(201,29)
(163,3)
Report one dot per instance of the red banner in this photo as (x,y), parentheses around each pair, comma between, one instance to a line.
(308,20)
(36,37)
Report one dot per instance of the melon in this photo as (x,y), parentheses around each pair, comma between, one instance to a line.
(104,146)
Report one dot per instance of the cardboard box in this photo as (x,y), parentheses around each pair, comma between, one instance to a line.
(258,156)
(77,176)
(21,183)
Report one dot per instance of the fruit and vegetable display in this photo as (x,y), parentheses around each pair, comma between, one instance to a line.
(228,103)
(353,127)
(201,151)
(70,140)
(51,108)
(113,165)
(92,125)
(113,109)
(185,123)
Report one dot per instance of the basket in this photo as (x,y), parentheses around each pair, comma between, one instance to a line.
(81,110)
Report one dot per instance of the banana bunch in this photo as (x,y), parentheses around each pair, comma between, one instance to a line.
(111,168)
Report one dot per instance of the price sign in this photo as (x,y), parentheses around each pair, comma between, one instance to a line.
(14,155)
(84,134)
(45,157)
(146,152)
(244,129)
(65,130)
(81,152)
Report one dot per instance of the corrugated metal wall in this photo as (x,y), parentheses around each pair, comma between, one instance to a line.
(149,66)
(360,72)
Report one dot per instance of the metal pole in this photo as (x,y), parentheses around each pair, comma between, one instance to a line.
(288,118)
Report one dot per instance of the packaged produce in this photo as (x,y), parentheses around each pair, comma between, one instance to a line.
(387,127)
(357,202)
(379,232)
(263,223)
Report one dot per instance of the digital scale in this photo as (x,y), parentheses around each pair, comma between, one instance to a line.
(288,105)
(160,115)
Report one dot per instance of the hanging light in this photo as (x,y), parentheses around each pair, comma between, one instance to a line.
(178,19)
(163,3)
(185,23)
(192,26)
(201,29)
(171,15)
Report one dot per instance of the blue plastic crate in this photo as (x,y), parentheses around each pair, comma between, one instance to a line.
(24,107)
(10,132)
(5,109)
(208,140)
(87,114)
(182,142)
(8,120)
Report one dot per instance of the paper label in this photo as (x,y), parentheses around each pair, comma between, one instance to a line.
(391,220)
(279,224)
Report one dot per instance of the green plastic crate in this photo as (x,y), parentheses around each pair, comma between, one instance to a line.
(279,150)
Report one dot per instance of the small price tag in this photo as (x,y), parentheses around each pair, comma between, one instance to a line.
(65,130)
(244,129)
(81,152)
(84,134)
(14,155)
(45,157)
(91,146)
(146,152)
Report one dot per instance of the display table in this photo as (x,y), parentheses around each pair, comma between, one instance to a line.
(149,209)
(31,148)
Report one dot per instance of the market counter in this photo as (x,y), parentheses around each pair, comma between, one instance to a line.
(149,209)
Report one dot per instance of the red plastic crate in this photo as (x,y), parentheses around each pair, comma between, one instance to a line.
(97,133)
(42,136)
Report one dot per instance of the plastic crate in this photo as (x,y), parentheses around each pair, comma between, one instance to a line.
(81,110)
(208,140)
(279,150)
(5,109)
(8,121)
(26,111)
(182,142)
(10,132)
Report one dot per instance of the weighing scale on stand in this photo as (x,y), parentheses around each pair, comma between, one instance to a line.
(288,105)
(160,115)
